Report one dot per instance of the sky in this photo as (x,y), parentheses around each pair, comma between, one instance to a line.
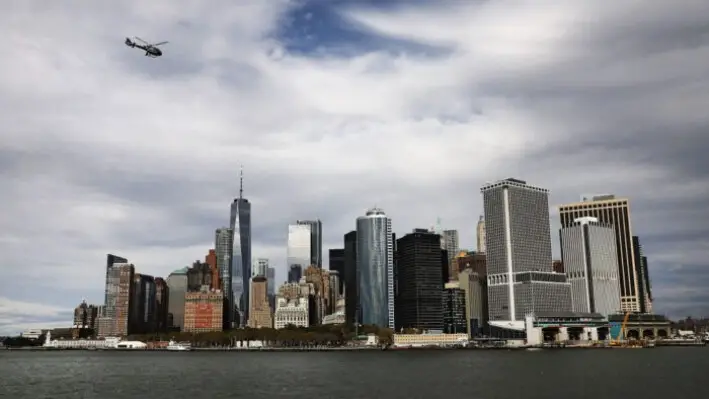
(333,107)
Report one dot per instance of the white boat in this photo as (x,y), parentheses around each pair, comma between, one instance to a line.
(179,346)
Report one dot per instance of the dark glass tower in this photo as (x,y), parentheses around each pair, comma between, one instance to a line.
(350,277)
(337,263)
(240,223)
(419,280)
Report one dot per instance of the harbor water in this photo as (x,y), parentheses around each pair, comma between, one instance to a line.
(610,374)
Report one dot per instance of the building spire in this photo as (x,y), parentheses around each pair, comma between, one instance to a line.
(241,182)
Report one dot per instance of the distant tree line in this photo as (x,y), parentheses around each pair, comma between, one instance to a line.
(290,336)
(18,342)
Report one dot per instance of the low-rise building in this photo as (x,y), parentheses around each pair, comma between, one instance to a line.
(420,340)
(204,310)
(291,312)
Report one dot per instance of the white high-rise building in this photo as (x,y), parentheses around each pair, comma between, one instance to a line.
(590,257)
(521,280)
(375,268)
(261,268)
(299,244)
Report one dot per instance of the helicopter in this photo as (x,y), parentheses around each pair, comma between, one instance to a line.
(151,50)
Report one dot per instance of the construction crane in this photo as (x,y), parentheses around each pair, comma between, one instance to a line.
(621,337)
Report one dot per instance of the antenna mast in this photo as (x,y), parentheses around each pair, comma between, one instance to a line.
(241,182)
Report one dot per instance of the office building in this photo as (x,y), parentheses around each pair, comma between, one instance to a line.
(295,273)
(240,224)
(641,269)
(319,279)
(260,313)
(591,265)
(260,268)
(204,310)
(334,292)
(121,287)
(473,282)
(299,242)
(177,287)
(84,325)
(271,277)
(451,244)
(211,260)
(200,274)
(315,241)
(291,311)
(337,263)
(375,268)
(162,305)
(612,211)
(518,253)
(481,235)
(142,305)
(223,248)
(453,305)
(352,313)
(419,281)
(110,261)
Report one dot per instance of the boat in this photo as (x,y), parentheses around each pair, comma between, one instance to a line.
(179,346)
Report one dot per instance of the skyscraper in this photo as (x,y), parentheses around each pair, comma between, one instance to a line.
(177,287)
(240,223)
(419,281)
(519,263)
(110,260)
(337,263)
(591,266)
(299,242)
(261,268)
(644,287)
(615,212)
(375,268)
(223,242)
(352,314)
(271,276)
(451,244)
(481,235)
(315,241)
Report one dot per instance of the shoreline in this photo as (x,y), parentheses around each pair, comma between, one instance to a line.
(338,349)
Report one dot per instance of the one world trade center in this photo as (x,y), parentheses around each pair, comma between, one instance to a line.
(240,223)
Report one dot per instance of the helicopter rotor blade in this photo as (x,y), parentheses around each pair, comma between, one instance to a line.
(161,43)
(137,38)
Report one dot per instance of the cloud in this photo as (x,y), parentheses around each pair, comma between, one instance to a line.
(408,106)
(17,316)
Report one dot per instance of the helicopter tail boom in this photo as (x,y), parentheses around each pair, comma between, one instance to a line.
(129,42)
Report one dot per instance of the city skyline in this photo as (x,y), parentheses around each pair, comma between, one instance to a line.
(105,152)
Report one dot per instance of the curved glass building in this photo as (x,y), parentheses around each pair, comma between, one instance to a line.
(375,269)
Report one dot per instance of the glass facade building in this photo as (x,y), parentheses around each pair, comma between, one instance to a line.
(375,269)
(223,242)
(299,246)
(315,241)
(240,223)
(521,279)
